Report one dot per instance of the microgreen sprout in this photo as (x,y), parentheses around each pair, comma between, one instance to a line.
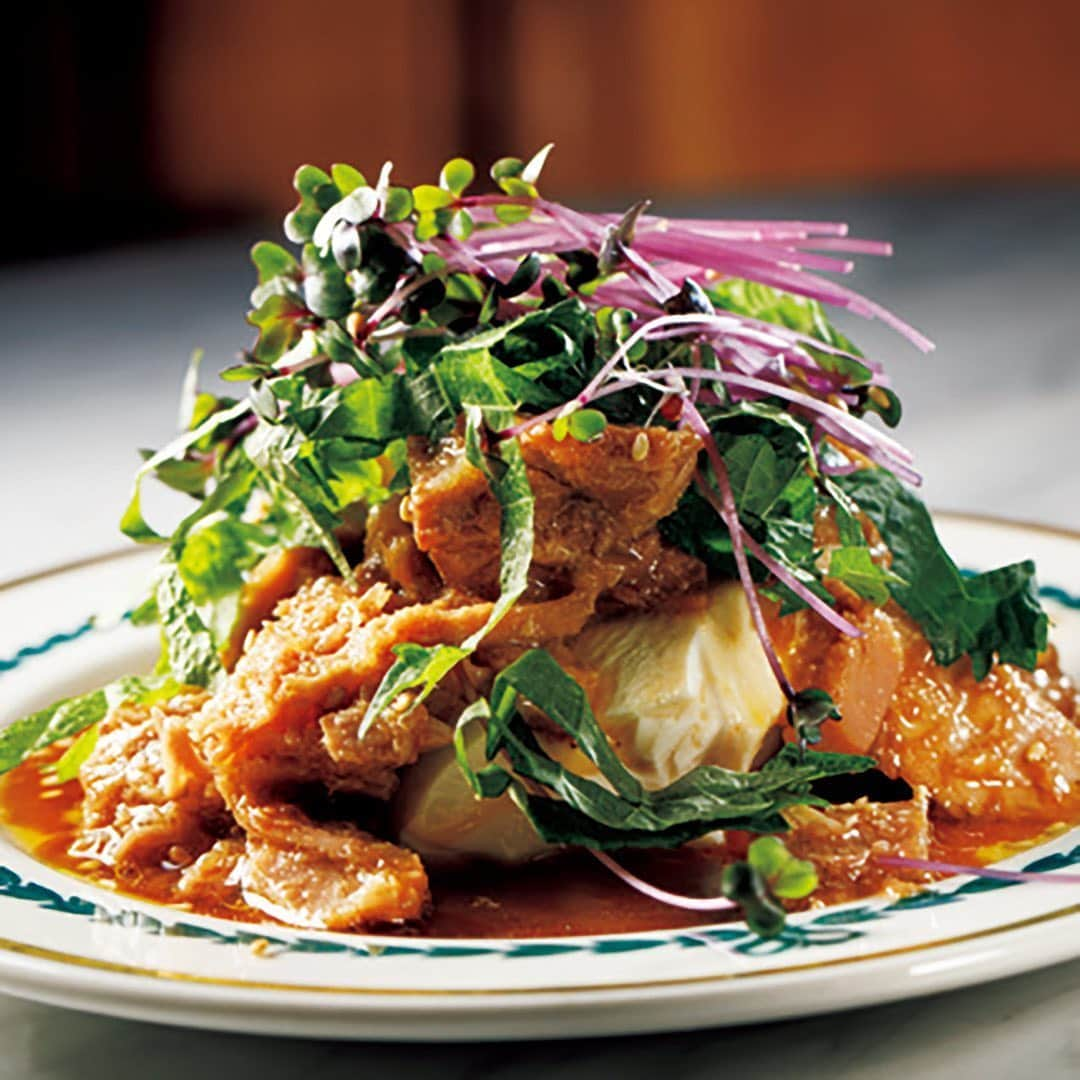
(756,885)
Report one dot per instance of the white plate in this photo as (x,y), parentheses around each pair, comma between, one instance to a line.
(66,942)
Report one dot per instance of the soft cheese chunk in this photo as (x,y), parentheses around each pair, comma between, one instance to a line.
(679,690)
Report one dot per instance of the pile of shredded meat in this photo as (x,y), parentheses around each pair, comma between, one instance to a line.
(264,787)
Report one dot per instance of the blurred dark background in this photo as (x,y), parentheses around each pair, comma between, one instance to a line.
(148,144)
(138,120)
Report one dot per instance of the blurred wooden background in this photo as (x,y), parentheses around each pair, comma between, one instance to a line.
(196,111)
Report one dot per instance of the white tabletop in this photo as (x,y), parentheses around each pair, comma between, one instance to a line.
(92,356)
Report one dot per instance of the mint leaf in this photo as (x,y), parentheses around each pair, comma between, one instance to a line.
(72,716)
(189,645)
(73,759)
(132,523)
(60,720)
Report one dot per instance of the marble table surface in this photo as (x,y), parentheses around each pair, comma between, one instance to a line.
(94,349)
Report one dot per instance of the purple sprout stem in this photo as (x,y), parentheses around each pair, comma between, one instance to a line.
(829,614)
(844,421)
(654,892)
(724,504)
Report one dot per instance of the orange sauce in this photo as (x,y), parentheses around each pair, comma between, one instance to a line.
(569,894)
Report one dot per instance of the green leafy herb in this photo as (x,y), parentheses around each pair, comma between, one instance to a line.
(457,174)
(584,425)
(424,666)
(789,878)
(621,812)
(132,523)
(769,874)
(72,716)
(808,710)
(992,615)
(73,759)
(401,312)
(59,721)
(855,568)
(771,467)
(190,647)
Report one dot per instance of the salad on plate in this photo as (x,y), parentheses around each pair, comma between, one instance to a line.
(549,572)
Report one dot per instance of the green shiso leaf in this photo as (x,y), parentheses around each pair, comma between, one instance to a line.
(424,666)
(390,326)
(991,615)
(771,465)
(622,813)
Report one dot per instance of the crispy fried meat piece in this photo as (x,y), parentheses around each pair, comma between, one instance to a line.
(289,714)
(290,711)
(391,552)
(999,748)
(845,843)
(148,797)
(597,505)
(275,577)
(328,876)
